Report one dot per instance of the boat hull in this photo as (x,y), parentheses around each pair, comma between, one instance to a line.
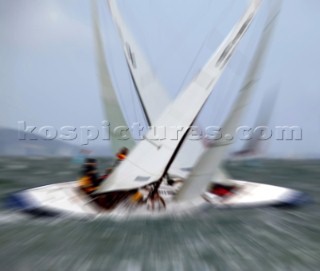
(65,199)
(250,194)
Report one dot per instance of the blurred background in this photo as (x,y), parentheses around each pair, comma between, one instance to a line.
(49,77)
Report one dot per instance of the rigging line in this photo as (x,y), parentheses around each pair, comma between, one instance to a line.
(234,84)
(132,92)
(134,107)
(119,98)
(191,66)
(174,155)
(152,143)
(241,66)
(200,49)
(139,96)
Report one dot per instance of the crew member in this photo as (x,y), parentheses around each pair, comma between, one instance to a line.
(89,181)
(121,155)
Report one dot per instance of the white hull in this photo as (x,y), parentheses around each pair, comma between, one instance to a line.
(66,199)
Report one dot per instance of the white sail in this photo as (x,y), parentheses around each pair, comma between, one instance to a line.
(153,96)
(253,146)
(209,163)
(149,160)
(111,104)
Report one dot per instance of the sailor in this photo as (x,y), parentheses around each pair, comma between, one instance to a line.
(89,180)
(137,197)
(121,155)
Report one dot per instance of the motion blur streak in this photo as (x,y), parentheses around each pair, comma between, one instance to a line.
(253,239)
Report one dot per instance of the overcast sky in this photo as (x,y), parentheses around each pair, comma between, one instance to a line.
(49,76)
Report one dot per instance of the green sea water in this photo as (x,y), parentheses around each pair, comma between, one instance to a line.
(227,240)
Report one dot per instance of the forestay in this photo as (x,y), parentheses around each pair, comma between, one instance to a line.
(111,104)
(149,159)
(210,161)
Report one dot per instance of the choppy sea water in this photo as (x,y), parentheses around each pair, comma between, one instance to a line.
(226,240)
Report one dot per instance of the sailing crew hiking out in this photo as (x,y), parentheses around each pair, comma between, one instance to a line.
(89,180)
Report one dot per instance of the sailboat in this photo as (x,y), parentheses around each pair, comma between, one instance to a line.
(149,162)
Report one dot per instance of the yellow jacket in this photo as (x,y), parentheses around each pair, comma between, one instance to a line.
(86,184)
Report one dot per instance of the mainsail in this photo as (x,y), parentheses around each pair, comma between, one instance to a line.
(111,104)
(149,159)
(153,96)
(210,161)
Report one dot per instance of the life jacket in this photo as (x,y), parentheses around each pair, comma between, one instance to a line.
(86,185)
(136,197)
(121,156)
